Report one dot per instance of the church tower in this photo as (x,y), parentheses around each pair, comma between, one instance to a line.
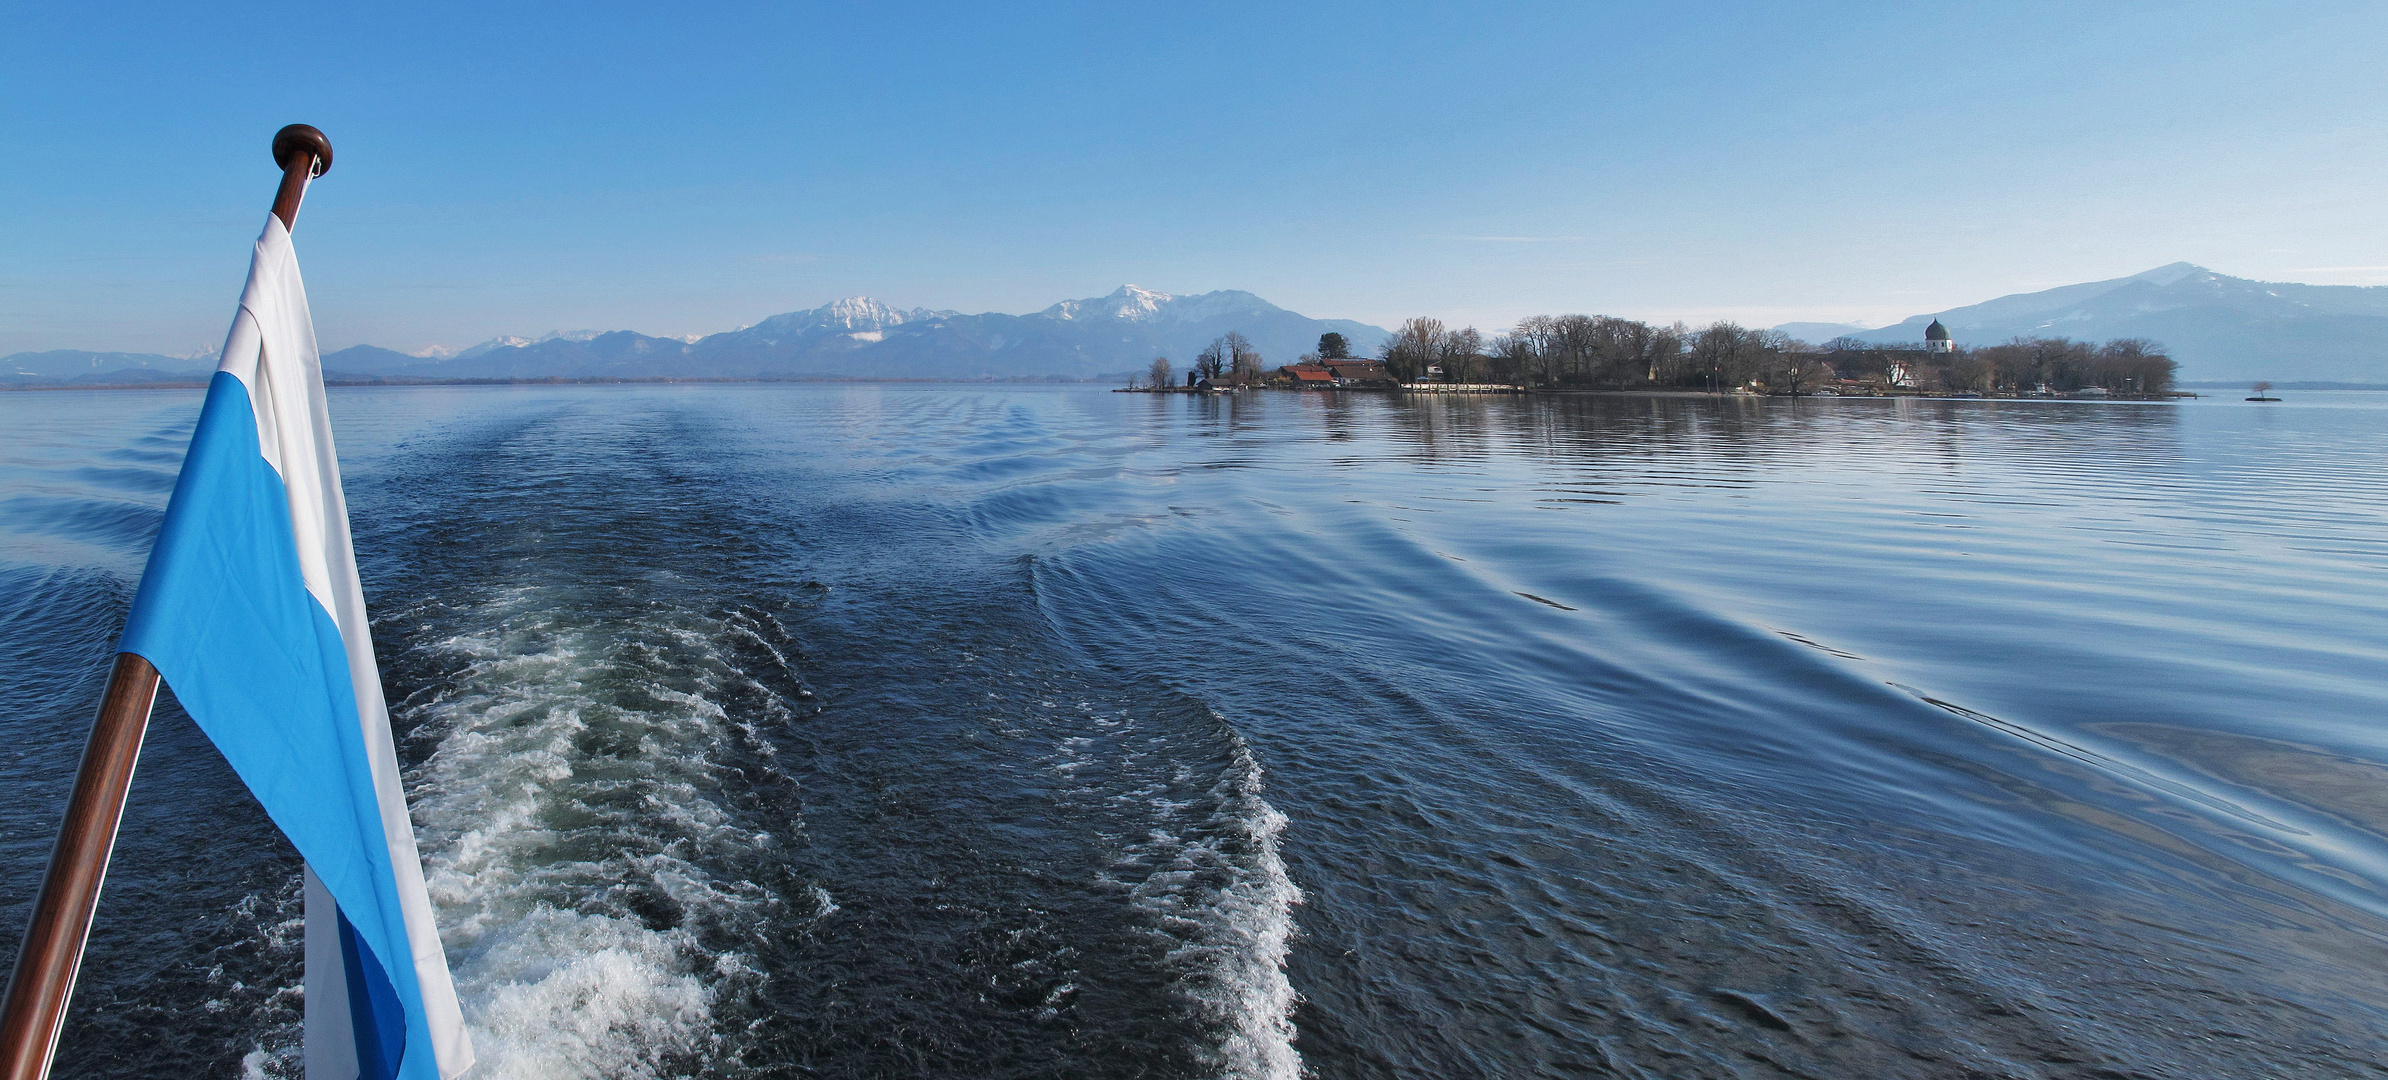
(1936,339)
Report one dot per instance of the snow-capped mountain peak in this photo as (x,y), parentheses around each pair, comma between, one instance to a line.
(507,341)
(853,316)
(1222,304)
(858,313)
(1128,302)
(1131,303)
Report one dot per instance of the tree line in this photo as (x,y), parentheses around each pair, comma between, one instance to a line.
(2024,364)
(1229,359)
(1599,352)
(1605,353)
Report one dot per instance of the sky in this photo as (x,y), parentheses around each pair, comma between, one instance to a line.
(680,169)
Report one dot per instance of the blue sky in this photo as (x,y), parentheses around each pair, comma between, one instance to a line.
(682,169)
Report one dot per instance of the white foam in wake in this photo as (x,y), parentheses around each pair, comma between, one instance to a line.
(566,994)
(1227,902)
(555,816)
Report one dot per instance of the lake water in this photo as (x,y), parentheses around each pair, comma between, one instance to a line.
(980,731)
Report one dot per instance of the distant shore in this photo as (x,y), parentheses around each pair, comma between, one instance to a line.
(1665,392)
(1671,392)
(2242,384)
(558,380)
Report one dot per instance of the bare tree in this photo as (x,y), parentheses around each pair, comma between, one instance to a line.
(1670,352)
(2138,365)
(1798,369)
(1213,359)
(1575,346)
(1854,359)
(1726,354)
(1974,371)
(1161,374)
(1243,361)
(1505,363)
(1412,348)
(1771,350)
(1459,353)
(1529,348)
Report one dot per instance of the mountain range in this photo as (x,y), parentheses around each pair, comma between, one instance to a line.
(2219,327)
(858,337)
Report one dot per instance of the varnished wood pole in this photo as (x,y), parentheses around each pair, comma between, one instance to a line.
(52,952)
(303,153)
(53,947)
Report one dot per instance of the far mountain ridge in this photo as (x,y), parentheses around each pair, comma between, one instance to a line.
(509,342)
(2219,327)
(860,337)
(1820,332)
(76,365)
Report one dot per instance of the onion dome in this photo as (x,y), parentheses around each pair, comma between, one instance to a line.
(1936,332)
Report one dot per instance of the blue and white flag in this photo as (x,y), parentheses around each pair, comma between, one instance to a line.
(252,611)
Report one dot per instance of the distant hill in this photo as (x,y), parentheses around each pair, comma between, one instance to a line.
(2219,327)
(365,360)
(1103,337)
(1817,333)
(863,338)
(67,367)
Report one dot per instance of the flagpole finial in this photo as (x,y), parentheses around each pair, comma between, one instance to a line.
(302,138)
(303,153)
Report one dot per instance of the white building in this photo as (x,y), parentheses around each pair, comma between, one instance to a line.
(1936,338)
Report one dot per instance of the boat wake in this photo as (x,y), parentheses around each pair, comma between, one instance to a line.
(994,876)
(574,830)
(1222,892)
(1208,877)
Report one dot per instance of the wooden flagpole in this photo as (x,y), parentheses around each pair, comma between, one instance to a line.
(52,952)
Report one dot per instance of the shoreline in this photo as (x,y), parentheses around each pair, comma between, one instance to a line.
(1473,389)
(560,380)
(1667,392)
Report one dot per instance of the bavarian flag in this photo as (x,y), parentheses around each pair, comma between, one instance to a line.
(251,610)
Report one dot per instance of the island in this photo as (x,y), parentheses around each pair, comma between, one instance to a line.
(1601,354)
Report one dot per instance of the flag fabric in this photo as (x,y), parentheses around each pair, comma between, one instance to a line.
(252,611)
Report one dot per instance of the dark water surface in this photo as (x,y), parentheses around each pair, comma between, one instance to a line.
(793,731)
